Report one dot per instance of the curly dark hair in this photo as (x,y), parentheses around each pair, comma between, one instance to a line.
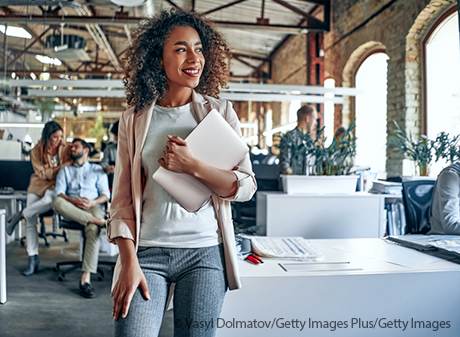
(145,79)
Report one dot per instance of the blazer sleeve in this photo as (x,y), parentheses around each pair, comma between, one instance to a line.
(246,181)
(36,157)
(122,222)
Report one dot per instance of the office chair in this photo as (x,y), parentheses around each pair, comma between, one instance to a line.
(43,233)
(417,195)
(73,225)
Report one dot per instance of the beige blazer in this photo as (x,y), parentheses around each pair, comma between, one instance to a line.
(129,181)
(43,177)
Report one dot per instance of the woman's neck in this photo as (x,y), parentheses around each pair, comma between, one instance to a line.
(176,97)
(53,150)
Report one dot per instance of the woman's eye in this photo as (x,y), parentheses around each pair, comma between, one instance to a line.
(181,49)
(199,50)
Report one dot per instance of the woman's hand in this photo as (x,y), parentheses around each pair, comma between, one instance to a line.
(177,156)
(67,163)
(131,277)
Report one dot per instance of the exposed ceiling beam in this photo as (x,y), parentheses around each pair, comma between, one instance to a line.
(245,63)
(251,57)
(29,46)
(132,21)
(310,18)
(34,35)
(5,10)
(91,8)
(173,4)
(223,7)
(99,37)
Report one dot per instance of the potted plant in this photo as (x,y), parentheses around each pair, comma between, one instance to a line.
(446,148)
(318,168)
(419,151)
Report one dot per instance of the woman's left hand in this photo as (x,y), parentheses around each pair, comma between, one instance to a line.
(177,156)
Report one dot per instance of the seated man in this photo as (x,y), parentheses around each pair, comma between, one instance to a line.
(445,206)
(306,123)
(80,190)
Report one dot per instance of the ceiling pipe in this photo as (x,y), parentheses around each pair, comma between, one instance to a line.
(147,10)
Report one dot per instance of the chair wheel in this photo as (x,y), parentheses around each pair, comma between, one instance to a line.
(56,269)
(100,278)
(47,244)
(66,240)
(22,243)
(61,278)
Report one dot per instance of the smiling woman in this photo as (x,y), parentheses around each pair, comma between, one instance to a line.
(145,78)
(174,71)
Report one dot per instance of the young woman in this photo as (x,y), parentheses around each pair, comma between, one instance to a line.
(174,70)
(47,157)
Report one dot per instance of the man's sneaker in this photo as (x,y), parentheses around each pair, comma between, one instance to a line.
(86,290)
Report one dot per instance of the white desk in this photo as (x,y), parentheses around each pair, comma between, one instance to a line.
(11,201)
(322,216)
(429,291)
(2,257)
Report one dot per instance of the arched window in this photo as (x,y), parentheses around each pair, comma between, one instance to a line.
(443,82)
(371,113)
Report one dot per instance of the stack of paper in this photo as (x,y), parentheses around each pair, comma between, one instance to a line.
(385,187)
(283,247)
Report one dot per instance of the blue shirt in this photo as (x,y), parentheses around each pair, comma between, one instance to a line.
(88,181)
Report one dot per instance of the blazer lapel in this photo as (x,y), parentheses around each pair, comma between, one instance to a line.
(141,126)
(201,106)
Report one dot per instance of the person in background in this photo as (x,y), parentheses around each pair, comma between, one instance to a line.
(306,123)
(445,205)
(110,155)
(80,190)
(338,135)
(47,157)
(175,67)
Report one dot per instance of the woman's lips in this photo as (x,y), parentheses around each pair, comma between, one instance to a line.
(192,72)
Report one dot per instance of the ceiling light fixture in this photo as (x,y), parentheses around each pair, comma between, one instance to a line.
(129,3)
(15,32)
(48,60)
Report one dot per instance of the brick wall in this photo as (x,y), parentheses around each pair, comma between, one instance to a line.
(398,27)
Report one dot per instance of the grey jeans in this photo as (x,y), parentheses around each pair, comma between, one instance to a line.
(199,275)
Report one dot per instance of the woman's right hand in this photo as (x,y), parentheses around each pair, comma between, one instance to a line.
(131,277)
(67,163)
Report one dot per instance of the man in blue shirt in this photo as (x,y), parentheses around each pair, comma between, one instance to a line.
(80,190)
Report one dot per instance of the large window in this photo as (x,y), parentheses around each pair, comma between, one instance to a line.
(371,112)
(443,82)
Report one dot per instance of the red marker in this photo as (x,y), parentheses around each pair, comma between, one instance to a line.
(252,259)
(257,258)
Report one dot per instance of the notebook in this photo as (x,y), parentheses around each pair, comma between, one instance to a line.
(216,143)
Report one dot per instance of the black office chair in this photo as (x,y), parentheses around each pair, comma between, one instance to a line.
(43,233)
(417,195)
(73,225)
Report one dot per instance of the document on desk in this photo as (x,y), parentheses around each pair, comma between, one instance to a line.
(318,266)
(383,251)
(283,247)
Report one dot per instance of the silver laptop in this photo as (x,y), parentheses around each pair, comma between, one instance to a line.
(213,141)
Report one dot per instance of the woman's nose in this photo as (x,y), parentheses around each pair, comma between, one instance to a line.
(192,57)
